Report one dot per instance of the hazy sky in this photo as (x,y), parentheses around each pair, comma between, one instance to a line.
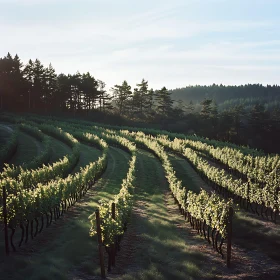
(170,43)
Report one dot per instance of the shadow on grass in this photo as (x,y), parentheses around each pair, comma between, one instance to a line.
(65,248)
(163,250)
(253,234)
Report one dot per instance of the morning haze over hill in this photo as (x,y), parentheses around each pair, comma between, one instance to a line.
(139,139)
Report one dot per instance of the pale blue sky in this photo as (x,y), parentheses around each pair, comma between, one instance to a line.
(169,43)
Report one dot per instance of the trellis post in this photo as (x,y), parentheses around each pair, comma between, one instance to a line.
(100,245)
(113,248)
(229,236)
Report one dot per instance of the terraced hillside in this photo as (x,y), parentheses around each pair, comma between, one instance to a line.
(81,199)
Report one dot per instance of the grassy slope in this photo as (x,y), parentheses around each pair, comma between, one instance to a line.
(255,233)
(162,251)
(186,174)
(28,148)
(66,248)
(87,154)
(249,231)
(4,135)
(59,150)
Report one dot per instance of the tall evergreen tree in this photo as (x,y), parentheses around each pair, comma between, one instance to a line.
(51,88)
(61,99)
(75,98)
(122,96)
(89,87)
(11,82)
(164,102)
(105,99)
(142,95)
(206,108)
(29,78)
(179,109)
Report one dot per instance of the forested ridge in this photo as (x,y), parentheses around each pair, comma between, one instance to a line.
(221,93)
(245,115)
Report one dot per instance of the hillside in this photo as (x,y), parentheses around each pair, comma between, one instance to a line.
(221,93)
(135,204)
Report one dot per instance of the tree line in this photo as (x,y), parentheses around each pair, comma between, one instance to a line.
(37,88)
(34,87)
(221,93)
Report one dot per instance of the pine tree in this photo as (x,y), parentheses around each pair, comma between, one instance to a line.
(11,82)
(122,96)
(164,102)
(179,109)
(142,95)
(63,96)
(29,78)
(105,98)
(89,87)
(51,88)
(206,110)
(76,94)
(38,92)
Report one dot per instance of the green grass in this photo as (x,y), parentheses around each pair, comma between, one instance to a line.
(162,251)
(185,173)
(255,233)
(4,135)
(249,231)
(28,148)
(87,155)
(161,247)
(66,249)
(59,150)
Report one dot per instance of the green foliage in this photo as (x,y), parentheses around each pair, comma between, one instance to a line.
(42,158)
(21,177)
(164,102)
(122,96)
(261,187)
(110,228)
(211,209)
(27,204)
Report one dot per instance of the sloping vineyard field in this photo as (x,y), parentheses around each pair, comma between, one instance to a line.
(81,200)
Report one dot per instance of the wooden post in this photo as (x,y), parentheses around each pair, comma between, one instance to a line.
(113,246)
(229,236)
(100,245)
(5,220)
(114,210)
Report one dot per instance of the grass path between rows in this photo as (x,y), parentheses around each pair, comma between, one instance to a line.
(28,148)
(65,250)
(159,244)
(4,134)
(87,154)
(59,150)
(254,232)
(249,231)
(256,241)
(187,174)
(154,247)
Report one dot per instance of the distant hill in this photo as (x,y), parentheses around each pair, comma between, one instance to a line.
(222,94)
